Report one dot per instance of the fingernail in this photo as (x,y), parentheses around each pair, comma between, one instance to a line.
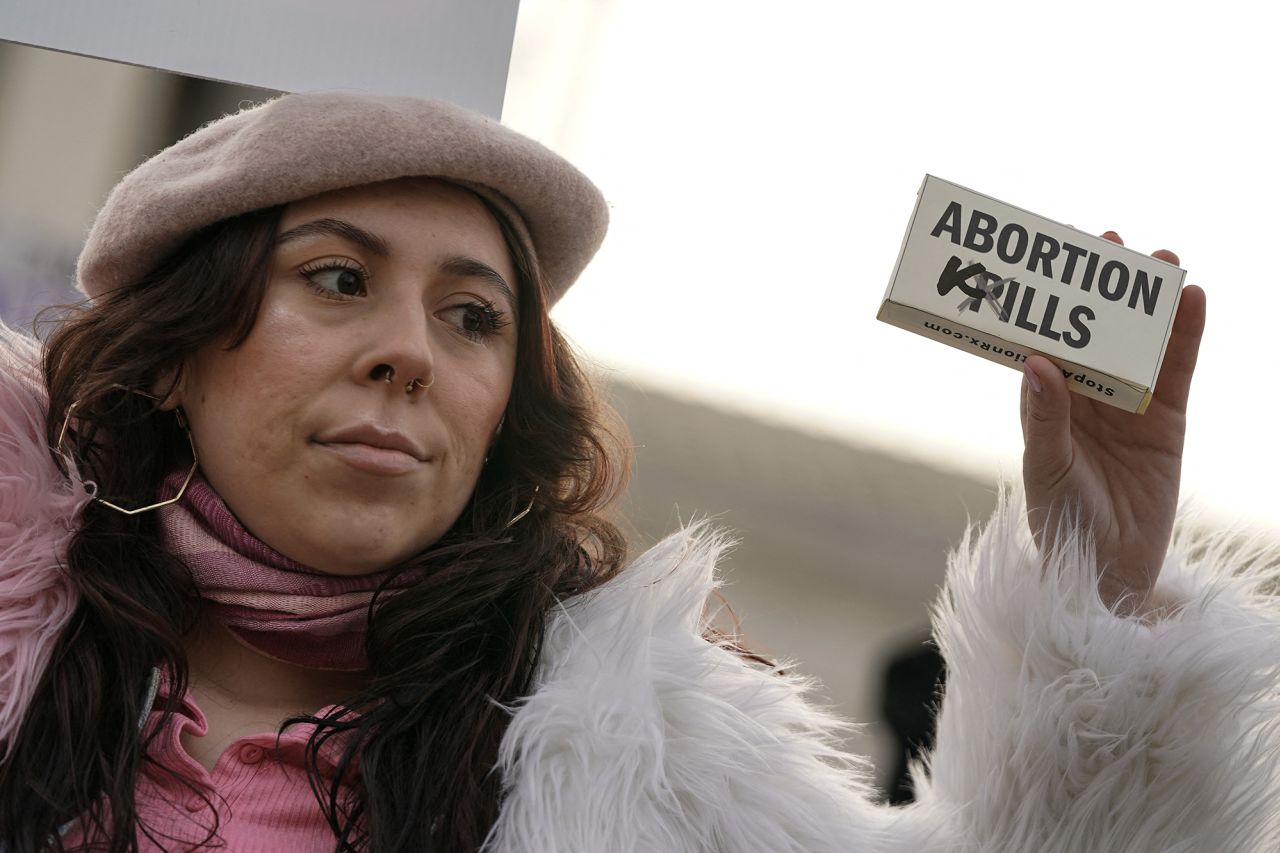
(1032,378)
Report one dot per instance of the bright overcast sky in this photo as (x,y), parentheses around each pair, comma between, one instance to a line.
(762,159)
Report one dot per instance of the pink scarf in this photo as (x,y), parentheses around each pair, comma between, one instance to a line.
(272,604)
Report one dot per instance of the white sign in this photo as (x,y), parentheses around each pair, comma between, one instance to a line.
(1002,283)
(458,50)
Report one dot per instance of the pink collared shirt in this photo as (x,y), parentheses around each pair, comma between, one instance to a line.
(262,797)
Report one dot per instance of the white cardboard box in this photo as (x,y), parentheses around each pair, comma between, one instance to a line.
(1002,283)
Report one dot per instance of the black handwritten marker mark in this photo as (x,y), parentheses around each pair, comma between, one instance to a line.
(953,277)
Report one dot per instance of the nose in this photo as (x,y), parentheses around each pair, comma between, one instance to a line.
(398,352)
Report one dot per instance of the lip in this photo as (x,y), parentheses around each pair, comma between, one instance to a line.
(375,449)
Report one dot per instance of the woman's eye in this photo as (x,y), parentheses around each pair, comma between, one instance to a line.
(336,280)
(475,320)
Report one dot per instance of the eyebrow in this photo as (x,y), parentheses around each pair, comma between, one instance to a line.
(338,228)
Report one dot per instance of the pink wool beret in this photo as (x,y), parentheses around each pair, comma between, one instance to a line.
(300,145)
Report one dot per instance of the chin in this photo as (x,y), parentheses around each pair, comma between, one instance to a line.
(357,555)
(356,540)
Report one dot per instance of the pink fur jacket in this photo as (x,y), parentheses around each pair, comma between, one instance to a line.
(1064,728)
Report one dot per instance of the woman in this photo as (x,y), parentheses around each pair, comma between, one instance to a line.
(305,547)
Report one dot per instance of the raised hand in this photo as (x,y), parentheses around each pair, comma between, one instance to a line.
(1119,471)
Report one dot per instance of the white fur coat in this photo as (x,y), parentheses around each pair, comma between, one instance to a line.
(1064,728)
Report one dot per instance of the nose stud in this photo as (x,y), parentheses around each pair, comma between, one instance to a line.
(388,374)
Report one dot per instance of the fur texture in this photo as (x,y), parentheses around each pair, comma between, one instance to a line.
(1064,727)
(39,509)
(643,736)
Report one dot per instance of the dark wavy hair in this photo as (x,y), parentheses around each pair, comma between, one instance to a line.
(445,655)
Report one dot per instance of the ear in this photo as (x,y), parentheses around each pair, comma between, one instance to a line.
(169,388)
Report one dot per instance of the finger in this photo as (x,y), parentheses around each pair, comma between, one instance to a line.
(1046,423)
(1112,236)
(1024,401)
(1023,404)
(1167,256)
(1174,384)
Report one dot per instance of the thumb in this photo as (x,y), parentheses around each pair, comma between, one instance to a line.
(1046,426)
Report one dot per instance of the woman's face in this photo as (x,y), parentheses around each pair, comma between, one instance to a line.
(297,428)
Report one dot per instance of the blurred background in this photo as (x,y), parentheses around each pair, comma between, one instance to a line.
(761,161)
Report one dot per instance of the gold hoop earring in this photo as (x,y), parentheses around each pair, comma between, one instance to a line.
(526,510)
(182,422)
